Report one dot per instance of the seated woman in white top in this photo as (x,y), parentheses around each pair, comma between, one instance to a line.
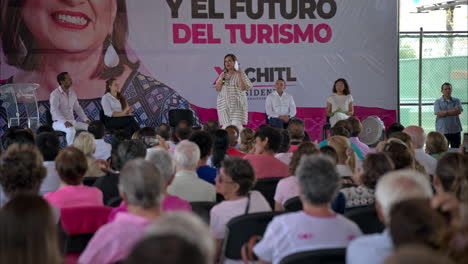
(117,111)
(317,226)
(340,104)
(234,181)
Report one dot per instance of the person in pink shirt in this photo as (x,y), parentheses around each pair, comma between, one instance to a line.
(233,133)
(162,160)
(267,142)
(356,128)
(288,188)
(141,187)
(71,167)
(316,226)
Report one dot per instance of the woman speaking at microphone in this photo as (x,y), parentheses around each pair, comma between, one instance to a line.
(232,100)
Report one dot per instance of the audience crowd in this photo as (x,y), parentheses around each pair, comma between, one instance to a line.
(174,195)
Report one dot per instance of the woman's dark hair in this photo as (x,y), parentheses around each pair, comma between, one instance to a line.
(126,151)
(19,136)
(296,129)
(405,138)
(375,165)
(330,152)
(346,90)
(144,132)
(340,131)
(355,125)
(220,146)
(44,128)
(21,170)
(395,127)
(204,141)
(415,222)
(165,249)
(273,135)
(28,232)
(306,148)
(22,51)
(97,128)
(71,165)
(241,172)
(400,154)
(48,144)
(452,171)
(120,97)
(232,56)
(344,124)
(164,130)
(285,141)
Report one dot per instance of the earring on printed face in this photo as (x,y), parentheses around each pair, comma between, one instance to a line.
(111,58)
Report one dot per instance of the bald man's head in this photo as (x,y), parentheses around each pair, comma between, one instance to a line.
(418,137)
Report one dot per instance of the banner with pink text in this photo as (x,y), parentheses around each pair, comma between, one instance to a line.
(179,45)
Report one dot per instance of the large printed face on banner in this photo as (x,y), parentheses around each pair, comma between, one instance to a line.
(171,52)
(68,26)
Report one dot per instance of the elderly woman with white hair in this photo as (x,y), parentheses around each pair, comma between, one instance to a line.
(162,160)
(86,143)
(317,226)
(141,187)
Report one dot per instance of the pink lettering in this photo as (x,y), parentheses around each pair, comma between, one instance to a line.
(275,33)
(232,31)
(211,38)
(287,36)
(306,36)
(328,32)
(264,33)
(305,236)
(253,35)
(176,33)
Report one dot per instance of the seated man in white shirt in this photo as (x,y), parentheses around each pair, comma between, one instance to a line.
(418,138)
(63,101)
(103,149)
(393,187)
(317,226)
(186,183)
(280,106)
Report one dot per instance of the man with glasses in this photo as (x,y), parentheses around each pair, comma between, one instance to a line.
(447,109)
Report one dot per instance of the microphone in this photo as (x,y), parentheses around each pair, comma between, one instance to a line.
(224,75)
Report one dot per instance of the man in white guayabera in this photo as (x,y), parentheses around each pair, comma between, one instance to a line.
(63,102)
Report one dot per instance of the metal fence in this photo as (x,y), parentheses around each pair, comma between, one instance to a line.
(428,59)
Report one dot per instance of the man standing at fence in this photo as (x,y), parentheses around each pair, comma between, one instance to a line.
(448,109)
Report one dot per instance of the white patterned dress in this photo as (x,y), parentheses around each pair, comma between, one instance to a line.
(232,101)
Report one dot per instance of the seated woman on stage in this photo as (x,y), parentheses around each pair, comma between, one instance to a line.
(340,104)
(116,109)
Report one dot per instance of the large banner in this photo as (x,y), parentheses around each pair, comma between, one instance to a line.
(175,49)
